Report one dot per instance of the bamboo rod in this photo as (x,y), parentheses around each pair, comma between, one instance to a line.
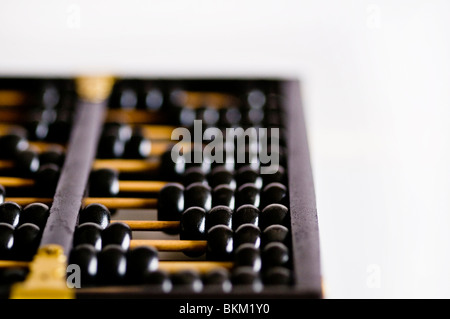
(150,225)
(171,245)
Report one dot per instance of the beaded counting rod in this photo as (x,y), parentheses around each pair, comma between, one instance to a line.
(74,153)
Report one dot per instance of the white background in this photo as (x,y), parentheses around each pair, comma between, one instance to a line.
(376,78)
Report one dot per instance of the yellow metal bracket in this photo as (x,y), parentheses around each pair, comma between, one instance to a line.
(47,277)
(94,88)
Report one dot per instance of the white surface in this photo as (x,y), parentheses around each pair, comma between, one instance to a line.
(376,78)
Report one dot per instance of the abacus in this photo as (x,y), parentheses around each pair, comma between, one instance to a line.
(94,202)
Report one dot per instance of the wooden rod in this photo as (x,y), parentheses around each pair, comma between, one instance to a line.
(171,245)
(151,225)
(141,186)
(12,98)
(123,203)
(126,165)
(16,182)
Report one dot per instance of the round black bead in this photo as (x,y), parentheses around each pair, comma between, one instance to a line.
(273,214)
(192,224)
(193,175)
(9,276)
(187,280)
(219,215)
(27,162)
(247,234)
(248,174)
(37,129)
(52,156)
(218,278)
(110,146)
(278,177)
(47,179)
(124,97)
(171,202)
(112,265)
(159,279)
(2,194)
(223,195)
(104,182)
(275,254)
(121,130)
(35,213)
(220,243)
(220,175)
(153,99)
(118,234)
(222,157)
(246,276)
(184,116)
(248,255)
(199,195)
(208,115)
(171,169)
(274,193)
(10,213)
(256,99)
(196,158)
(277,276)
(11,144)
(26,241)
(85,256)
(138,147)
(246,214)
(248,194)
(6,240)
(88,233)
(275,233)
(248,157)
(95,213)
(141,262)
(229,116)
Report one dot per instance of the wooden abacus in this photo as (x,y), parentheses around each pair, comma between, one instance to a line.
(78,156)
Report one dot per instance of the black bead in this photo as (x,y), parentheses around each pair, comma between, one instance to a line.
(153,99)
(112,265)
(256,99)
(275,233)
(11,144)
(248,255)
(187,280)
(47,179)
(110,146)
(278,177)
(196,158)
(221,158)
(104,182)
(247,234)
(141,262)
(193,175)
(223,195)
(199,195)
(2,194)
(248,174)
(9,276)
(27,162)
(10,213)
(118,234)
(95,213)
(275,254)
(52,156)
(273,214)
(246,214)
(184,116)
(220,243)
(124,97)
(121,130)
(6,240)
(171,202)
(219,215)
(37,129)
(248,194)
(208,115)
(252,117)
(277,276)
(88,233)
(274,193)
(26,241)
(248,157)
(219,279)
(138,147)
(229,116)
(220,175)
(35,213)
(158,279)
(245,276)
(85,256)
(192,224)
(171,169)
